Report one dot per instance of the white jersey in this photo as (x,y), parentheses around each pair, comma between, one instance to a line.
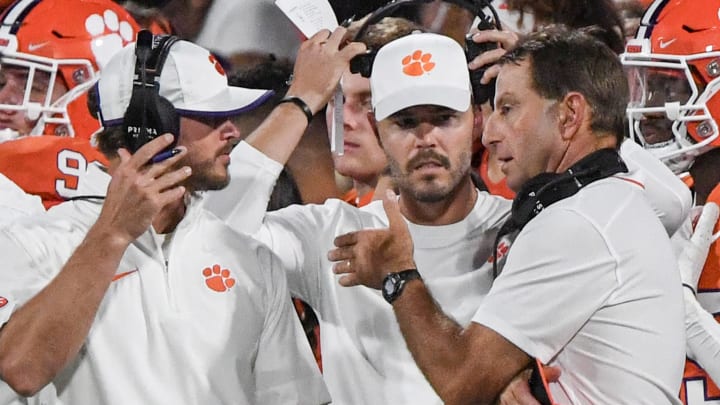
(15,203)
(365,358)
(205,319)
(591,285)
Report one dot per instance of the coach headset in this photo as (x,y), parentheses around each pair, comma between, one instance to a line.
(481,92)
(150,115)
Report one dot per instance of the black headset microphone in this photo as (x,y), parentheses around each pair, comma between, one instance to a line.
(362,63)
(150,115)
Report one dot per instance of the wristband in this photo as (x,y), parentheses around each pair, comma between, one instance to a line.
(301,104)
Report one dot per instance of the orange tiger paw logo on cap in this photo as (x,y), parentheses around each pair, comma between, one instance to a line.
(217,64)
(418,63)
(218,279)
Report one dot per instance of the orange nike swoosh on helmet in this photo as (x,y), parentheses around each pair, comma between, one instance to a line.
(121,275)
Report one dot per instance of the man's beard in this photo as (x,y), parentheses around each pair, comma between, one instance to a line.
(432,192)
(203,178)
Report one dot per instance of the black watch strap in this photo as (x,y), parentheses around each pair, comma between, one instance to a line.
(394,283)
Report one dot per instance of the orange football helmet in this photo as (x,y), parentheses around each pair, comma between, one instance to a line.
(673,66)
(53,41)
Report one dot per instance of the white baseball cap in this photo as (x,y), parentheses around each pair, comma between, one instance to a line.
(192,80)
(419,69)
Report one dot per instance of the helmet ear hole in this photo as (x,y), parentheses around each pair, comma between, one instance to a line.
(79,76)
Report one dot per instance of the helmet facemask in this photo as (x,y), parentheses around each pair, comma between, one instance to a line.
(37,95)
(668,112)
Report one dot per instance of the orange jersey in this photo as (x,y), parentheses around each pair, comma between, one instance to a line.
(47,166)
(500,188)
(352,198)
(697,386)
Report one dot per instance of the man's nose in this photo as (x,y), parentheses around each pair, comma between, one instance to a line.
(426,135)
(229,130)
(10,94)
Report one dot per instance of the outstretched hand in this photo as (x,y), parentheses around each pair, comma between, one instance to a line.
(139,189)
(692,259)
(365,257)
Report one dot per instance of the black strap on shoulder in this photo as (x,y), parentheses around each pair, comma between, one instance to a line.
(548,188)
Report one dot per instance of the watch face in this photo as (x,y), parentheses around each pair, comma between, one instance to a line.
(389,286)
(393,283)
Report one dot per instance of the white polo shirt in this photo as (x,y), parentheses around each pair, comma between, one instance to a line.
(210,322)
(591,285)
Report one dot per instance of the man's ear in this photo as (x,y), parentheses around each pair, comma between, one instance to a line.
(572,111)
(478,121)
(373,125)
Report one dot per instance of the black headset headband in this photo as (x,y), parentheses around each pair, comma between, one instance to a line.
(149,115)
(151,52)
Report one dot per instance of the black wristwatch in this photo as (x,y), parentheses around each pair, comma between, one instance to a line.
(394,283)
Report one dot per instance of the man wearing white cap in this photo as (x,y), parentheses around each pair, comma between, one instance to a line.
(365,359)
(160,301)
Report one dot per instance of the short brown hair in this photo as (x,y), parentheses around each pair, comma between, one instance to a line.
(382,32)
(110,139)
(564,60)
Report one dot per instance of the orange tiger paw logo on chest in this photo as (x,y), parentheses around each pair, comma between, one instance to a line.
(218,279)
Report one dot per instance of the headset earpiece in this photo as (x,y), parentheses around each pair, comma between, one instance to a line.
(149,115)
(362,63)
(481,92)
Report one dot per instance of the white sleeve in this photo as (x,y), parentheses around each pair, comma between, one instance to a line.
(681,237)
(669,197)
(285,370)
(16,203)
(703,336)
(21,277)
(301,236)
(242,204)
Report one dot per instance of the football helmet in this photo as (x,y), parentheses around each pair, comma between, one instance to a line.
(673,67)
(51,52)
